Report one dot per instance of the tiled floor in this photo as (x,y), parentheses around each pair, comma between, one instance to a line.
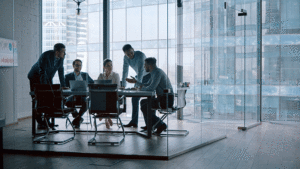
(266,146)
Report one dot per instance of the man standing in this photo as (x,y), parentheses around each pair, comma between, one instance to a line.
(43,71)
(77,100)
(135,59)
(159,82)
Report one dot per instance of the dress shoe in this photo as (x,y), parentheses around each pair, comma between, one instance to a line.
(144,127)
(161,128)
(75,113)
(52,125)
(76,124)
(130,125)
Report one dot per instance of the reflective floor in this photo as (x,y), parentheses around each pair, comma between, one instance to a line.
(18,137)
(265,146)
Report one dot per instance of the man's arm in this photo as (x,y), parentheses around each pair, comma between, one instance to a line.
(42,68)
(141,68)
(152,84)
(67,81)
(90,80)
(61,74)
(125,71)
(145,83)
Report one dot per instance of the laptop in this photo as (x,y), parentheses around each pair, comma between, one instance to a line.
(78,85)
(102,81)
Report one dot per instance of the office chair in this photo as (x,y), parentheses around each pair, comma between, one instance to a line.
(49,103)
(167,111)
(105,103)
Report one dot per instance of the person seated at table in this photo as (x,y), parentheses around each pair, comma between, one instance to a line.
(158,82)
(109,75)
(77,100)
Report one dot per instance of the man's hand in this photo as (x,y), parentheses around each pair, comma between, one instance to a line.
(64,88)
(141,86)
(132,80)
(122,88)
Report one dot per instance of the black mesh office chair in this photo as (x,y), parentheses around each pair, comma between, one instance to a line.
(49,103)
(105,103)
(181,103)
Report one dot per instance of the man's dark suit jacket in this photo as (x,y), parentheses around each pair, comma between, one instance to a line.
(84,76)
(44,69)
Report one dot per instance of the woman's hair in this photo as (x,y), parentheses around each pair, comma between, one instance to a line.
(106,61)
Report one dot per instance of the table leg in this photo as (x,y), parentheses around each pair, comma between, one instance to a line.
(149,119)
(1,148)
(33,119)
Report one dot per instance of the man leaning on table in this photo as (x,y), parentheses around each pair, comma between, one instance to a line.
(158,82)
(134,59)
(43,71)
(77,100)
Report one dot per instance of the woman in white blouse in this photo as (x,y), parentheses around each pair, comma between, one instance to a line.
(109,75)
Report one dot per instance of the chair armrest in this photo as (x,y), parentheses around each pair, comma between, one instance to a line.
(34,102)
(121,98)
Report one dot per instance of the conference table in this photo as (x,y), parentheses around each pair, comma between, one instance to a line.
(127,93)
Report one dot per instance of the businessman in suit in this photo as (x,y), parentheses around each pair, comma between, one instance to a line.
(43,71)
(77,100)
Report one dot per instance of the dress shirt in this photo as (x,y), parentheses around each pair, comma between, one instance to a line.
(137,64)
(79,77)
(113,76)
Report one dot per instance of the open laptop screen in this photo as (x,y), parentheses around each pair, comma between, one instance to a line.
(78,85)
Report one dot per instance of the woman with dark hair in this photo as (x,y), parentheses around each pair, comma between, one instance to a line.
(108,74)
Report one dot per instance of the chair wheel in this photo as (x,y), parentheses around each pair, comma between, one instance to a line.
(93,143)
(38,142)
(55,143)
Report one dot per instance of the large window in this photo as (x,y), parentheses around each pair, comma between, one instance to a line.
(213,49)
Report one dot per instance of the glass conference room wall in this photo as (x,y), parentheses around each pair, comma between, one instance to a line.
(280,57)
(224,69)
(203,41)
(243,43)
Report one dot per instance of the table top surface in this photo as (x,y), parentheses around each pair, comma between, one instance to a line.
(121,92)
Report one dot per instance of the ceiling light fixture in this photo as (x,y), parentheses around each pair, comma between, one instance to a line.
(78,4)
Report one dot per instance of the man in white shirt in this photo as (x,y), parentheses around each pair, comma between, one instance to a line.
(77,100)
(134,59)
